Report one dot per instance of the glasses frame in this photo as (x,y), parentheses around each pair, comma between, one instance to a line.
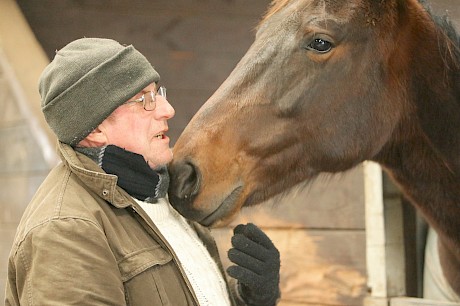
(161,91)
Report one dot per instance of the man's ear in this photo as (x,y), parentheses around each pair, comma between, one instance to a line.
(96,138)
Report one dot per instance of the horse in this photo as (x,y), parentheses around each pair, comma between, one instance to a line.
(326,85)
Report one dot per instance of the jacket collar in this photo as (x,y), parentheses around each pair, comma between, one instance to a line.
(101,183)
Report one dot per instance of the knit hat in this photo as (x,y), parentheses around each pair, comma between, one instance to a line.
(86,81)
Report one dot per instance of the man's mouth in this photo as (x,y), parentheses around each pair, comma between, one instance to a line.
(160,135)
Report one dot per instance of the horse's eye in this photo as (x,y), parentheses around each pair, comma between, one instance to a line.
(320,45)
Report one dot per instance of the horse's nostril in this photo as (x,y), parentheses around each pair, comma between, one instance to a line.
(184,181)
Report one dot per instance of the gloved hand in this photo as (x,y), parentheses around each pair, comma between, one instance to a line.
(257,266)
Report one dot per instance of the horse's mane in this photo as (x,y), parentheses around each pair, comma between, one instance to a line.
(274,7)
(447,28)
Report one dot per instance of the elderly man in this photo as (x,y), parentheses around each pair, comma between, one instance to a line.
(100,229)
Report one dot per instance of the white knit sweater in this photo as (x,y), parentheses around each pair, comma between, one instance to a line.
(201,270)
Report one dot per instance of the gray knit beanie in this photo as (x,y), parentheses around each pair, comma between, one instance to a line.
(86,81)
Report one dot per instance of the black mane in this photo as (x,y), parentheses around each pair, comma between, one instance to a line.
(446,26)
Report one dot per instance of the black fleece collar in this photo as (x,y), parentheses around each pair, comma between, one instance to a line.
(134,174)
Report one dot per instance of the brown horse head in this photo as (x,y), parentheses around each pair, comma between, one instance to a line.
(326,85)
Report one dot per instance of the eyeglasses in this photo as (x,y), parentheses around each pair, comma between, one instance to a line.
(149,100)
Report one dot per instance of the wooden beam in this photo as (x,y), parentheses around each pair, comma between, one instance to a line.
(384,238)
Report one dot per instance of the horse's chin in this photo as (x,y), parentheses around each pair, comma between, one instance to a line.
(225,212)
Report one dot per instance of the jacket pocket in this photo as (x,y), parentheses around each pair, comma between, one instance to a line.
(141,260)
(151,277)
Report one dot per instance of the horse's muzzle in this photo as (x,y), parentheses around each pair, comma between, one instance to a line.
(183,188)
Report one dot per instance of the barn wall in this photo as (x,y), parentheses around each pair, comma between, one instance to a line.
(25,154)
(194,45)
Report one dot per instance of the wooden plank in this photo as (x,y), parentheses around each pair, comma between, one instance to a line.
(320,267)
(375,233)
(384,238)
(449,7)
(10,114)
(126,7)
(376,301)
(184,26)
(406,301)
(335,202)
(20,152)
(16,191)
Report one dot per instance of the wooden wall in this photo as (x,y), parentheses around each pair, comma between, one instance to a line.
(193,44)
(24,161)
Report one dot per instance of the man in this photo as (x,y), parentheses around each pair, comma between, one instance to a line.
(100,230)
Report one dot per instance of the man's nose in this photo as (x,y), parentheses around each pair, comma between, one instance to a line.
(163,108)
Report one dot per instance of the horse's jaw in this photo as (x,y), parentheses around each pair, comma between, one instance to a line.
(208,208)
(224,212)
(213,197)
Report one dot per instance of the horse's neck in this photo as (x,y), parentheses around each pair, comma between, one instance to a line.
(424,153)
(431,186)
(423,156)
(433,88)
(428,183)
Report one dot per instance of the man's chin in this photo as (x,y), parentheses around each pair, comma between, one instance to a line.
(160,168)
(159,163)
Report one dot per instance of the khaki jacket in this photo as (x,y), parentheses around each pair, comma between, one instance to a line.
(84,241)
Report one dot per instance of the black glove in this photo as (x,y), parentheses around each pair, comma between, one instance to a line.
(257,266)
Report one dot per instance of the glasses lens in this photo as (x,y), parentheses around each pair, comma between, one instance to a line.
(149,101)
(162,91)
